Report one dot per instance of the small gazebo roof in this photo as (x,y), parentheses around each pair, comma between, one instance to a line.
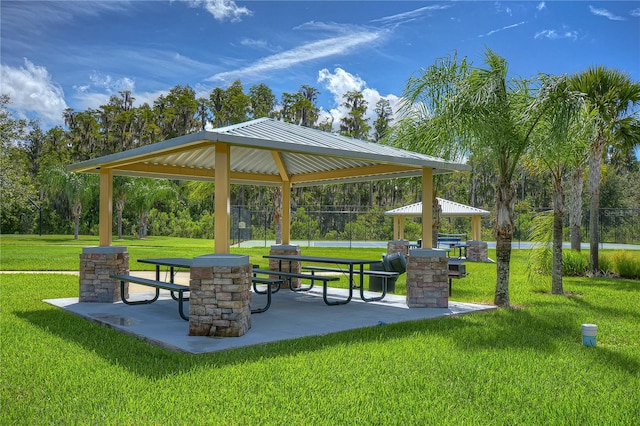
(267,152)
(449,209)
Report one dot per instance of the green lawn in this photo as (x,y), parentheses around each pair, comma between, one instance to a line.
(511,366)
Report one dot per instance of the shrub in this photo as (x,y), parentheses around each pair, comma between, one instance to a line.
(574,263)
(606,264)
(625,264)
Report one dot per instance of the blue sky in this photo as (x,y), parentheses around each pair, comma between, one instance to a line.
(59,54)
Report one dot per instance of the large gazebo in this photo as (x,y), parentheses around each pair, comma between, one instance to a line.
(262,152)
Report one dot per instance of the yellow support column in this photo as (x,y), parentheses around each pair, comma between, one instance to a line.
(396,230)
(400,226)
(476,228)
(286,212)
(427,207)
(222,202)
(106,207)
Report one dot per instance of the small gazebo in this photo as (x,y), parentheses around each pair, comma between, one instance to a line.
(448,208)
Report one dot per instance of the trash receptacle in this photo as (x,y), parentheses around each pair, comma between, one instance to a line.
(395,262)
(375,283)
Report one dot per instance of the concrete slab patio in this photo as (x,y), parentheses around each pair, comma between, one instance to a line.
(292,315)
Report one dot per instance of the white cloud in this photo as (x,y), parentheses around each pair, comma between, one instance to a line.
(100,88)
(410,15)
(604,12)
(258,44)
(32,91)
(500,7)
(307,52)
(555,35)
(502,29)
(635,12)
(541,6)
(222,9)
(89,100)
(111,85)
(338,84)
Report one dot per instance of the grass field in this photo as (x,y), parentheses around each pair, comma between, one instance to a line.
(524,365)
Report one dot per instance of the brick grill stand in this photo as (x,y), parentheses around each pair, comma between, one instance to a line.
(427,279)
(220,296)
(96,265)
(477,251)
(295,266)
(401,246)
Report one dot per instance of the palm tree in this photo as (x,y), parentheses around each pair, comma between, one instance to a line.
(122,189)
(78,189)
(611,97)
(559,142)
(145,193)
(479,110)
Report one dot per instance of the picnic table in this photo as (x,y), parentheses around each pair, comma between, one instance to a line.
(183,262)
(171,262)
(350,267)
(454,241)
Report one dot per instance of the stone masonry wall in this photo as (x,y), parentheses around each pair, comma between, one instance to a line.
(427,279)
(401,246)
(477,251)
(96,265)
(295,266)
(220,300)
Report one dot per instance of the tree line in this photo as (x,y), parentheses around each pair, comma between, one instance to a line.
(34,160)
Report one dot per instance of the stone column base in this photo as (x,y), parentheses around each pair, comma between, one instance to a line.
(396,246)
(427,279)
(220,296)
(97,264)
(295,266)
(477,251)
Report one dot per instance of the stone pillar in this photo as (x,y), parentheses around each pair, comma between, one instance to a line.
(401,246)
(96,265)
(427,279)
(220,295)
(477,251)
(280,249)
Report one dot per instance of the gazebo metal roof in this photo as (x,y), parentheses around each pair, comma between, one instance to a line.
(267,152)
(449,209)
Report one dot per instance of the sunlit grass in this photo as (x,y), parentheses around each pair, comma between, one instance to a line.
(512,366)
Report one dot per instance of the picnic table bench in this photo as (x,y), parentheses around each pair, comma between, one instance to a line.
(382,274)
(174,288)
(454,241)
(350,263)
(181,289)
(311,277)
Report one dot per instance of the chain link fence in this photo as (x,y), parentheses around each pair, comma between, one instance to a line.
(620,225)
